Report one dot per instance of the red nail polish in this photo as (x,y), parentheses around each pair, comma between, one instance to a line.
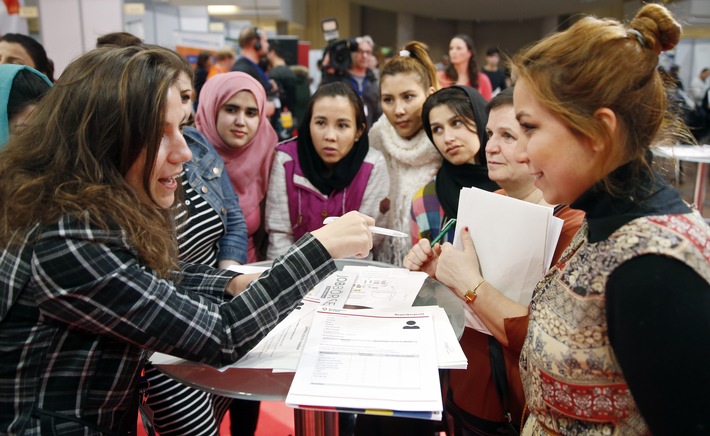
(466,228)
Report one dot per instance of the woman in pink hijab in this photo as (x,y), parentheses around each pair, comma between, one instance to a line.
(231,115)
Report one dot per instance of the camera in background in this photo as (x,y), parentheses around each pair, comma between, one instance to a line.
(337,56)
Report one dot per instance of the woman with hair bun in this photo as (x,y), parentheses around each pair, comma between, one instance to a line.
(406,81)
(619,328)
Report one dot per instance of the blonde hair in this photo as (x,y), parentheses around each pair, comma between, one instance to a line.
(601,63)
(414,58)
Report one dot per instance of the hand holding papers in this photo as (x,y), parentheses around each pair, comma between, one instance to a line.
(515,241)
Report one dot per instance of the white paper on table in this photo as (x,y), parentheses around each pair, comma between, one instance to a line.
(279,350)
(513,238)
(248,269)
(369,359)
(448,350)
(333,291)
(158,358)
(282,346)
(384,288)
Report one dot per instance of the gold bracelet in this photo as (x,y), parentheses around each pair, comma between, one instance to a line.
(471,293)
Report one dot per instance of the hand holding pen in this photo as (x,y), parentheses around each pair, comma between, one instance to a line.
(350,236)
(444,231)
(424,255)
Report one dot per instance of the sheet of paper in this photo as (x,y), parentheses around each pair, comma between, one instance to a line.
(369,360)
(281,347)
(554,232)
(448,350)
(247,269)
(334,290)
(164,359)
(383,288)
(512,239)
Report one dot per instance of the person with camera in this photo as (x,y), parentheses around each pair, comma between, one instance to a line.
(342,66)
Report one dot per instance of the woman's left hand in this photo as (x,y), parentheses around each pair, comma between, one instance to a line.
(459,269)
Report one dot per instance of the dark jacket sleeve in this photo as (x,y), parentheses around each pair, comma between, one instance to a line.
(658,312)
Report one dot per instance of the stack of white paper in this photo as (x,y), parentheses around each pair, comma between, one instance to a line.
(515,242)
(449,354)
(370,361)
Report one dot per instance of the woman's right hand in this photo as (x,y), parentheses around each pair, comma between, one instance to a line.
(423,257)
(348,236)
(459,269)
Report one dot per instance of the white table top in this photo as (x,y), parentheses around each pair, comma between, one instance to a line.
(690,153)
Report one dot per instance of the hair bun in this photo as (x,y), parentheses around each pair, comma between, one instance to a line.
(658,28)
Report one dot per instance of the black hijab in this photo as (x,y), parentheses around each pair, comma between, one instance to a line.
(451,178)
(326,179)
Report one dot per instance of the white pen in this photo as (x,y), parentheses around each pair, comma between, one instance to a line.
(374,229)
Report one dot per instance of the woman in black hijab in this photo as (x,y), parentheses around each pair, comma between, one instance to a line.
(328,170)
(455,120)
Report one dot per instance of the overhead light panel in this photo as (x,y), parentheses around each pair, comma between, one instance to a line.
(222,9)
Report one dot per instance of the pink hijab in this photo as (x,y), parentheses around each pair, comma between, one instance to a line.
(248,167)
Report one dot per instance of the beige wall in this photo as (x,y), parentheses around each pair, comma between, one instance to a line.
(508,36)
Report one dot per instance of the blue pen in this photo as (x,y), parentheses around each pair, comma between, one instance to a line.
(444,231)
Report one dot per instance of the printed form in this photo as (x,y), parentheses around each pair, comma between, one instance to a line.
(370,361)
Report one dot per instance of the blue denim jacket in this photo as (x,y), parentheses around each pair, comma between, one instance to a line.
(205,173)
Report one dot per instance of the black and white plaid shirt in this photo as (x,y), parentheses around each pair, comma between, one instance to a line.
(78,309)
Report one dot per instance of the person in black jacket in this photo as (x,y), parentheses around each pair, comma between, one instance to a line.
(361,78)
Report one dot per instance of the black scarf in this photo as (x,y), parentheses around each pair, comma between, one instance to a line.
(326,179)
(451,178)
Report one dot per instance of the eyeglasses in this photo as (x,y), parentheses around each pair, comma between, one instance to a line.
(365,52)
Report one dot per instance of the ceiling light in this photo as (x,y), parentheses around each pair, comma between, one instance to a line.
(222,9)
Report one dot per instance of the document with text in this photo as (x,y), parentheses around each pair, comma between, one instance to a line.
(383,288)
(370,361)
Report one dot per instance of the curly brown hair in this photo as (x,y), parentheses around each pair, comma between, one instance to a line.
(81,140)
